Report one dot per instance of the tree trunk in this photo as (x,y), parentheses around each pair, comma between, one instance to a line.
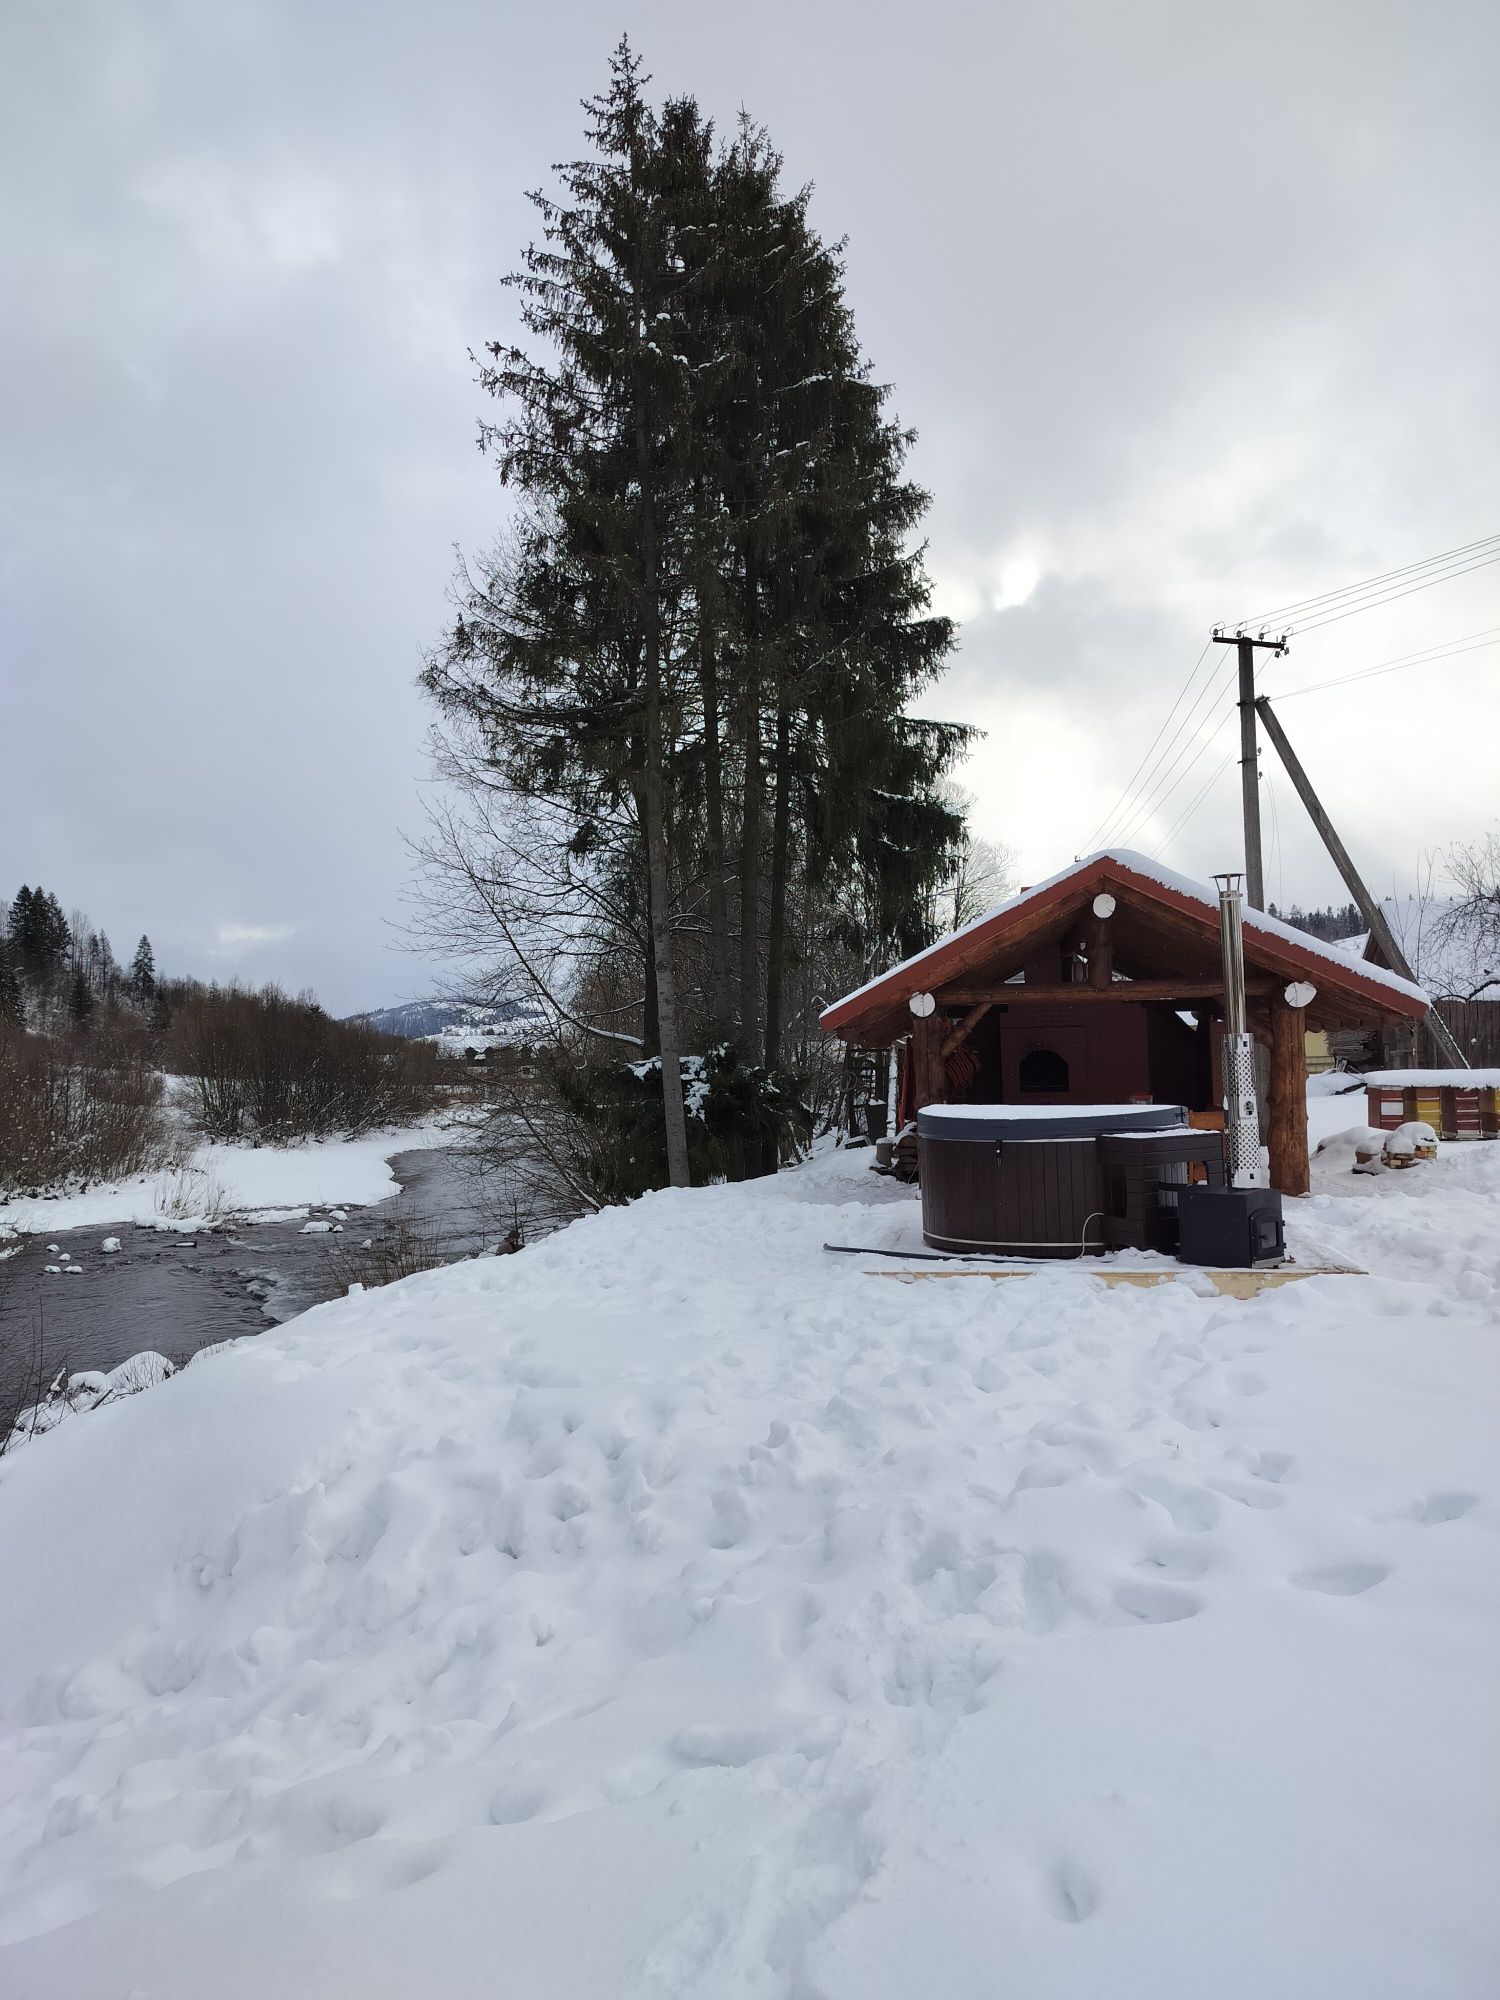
(750,832)
(781,829)
(658,879)
(650,1024)
(721,985)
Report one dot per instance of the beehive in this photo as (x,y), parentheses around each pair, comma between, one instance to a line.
(1455,1111)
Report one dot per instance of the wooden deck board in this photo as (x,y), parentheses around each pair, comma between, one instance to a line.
(1230,1284)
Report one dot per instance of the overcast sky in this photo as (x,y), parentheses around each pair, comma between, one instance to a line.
(1194,308)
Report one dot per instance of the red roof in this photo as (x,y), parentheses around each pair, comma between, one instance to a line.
(1165,926)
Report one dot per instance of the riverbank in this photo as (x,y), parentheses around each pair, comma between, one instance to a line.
(89,1297)
(219,1179)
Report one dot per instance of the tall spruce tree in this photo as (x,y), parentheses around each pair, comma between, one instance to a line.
(701,640)
(583,700)
(143,973)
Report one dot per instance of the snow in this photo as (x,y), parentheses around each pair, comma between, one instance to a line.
(677,1610)
(1255,923)
(958,1113)
(1336,1104)
(235,1179)
(1435,1079)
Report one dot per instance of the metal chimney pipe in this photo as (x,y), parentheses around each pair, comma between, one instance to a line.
(1242,1151)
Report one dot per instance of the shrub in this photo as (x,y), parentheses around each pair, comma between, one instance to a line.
(281,1069)
(743,1120)
(83,1107)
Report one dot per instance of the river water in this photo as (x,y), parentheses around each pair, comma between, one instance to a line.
(177,1293)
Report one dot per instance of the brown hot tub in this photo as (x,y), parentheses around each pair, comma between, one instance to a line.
(1016,1180)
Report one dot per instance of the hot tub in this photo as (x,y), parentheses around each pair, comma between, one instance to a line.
(1015,1180)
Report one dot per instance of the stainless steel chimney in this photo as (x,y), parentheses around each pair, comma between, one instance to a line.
(1243,1158)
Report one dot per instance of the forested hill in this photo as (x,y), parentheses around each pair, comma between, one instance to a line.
(424,1019)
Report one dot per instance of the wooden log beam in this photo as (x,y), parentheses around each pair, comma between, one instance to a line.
(956,1037)
(1101,954)
(1288,1131)
(927,1055)
(1122,992)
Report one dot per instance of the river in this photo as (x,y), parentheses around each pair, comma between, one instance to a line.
(178,1293)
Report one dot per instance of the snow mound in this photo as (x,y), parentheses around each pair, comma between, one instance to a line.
(677,1610)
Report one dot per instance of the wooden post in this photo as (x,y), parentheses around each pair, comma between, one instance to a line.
(1101,954)
(1288,1133)
(927,1049)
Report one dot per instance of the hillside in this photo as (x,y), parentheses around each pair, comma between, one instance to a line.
(456,1023)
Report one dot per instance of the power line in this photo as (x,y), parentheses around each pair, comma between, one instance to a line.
(1136,803)
(1370,582)
(1196,714)
(1472,642)
(1179,823)
(1096,836)
(1148,811)
(1390,596)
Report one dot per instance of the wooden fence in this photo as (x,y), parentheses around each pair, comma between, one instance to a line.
(1473,1024)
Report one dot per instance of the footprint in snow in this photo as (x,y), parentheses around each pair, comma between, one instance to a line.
(1438,1507)
(1072,1894)
(730,1744)
(1155,1604)
(1349,1579)
(520,1797)
(1183,1562)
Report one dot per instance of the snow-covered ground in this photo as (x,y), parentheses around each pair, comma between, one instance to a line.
(679,1610)
(236,1179)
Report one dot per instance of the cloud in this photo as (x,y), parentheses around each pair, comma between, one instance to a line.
(239,940)
(1192,313)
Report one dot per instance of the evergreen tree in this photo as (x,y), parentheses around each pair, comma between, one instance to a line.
(12,1003)
(143,973)
(39,932)
(19,923)
(594,439)
(80,1000)
(694,658)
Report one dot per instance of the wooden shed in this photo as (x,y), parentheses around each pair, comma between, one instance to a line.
(1104,985)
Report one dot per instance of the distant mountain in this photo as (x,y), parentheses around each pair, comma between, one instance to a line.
(455,1023)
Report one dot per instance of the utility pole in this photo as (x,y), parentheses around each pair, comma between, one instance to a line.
(1255,883)
(1369,909)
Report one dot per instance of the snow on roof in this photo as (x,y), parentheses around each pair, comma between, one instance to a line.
(1448,965)
(1255,922)
(1435,1079)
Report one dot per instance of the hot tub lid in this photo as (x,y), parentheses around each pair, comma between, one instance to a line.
(974,1124)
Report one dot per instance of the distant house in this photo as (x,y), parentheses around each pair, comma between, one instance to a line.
(1463,980)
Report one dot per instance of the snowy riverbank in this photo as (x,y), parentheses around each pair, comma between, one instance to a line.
(676,1609)
(234,1179)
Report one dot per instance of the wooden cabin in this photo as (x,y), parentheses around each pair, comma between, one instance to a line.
(1104,985)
